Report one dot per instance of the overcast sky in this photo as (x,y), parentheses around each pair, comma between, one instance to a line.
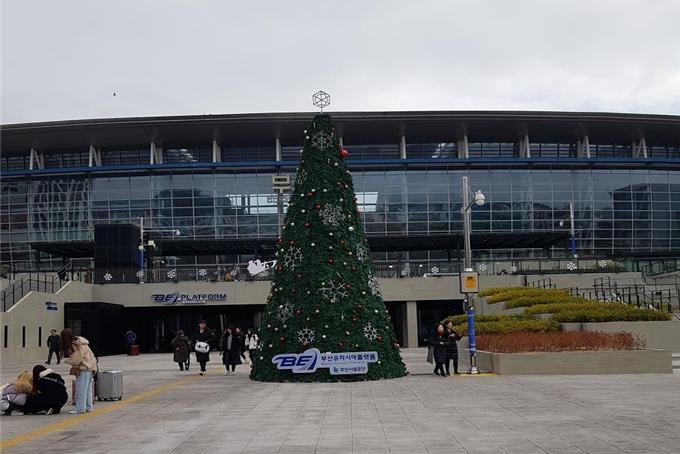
(64,59)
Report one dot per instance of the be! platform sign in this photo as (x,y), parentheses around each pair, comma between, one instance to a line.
(307,362)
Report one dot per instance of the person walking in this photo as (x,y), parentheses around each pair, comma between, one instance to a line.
(452,349)
(232,348)
(49,392)
(439,343)
(130,340)
(200,342)
(182,346)
(53,344)
(83,365)
(251,341)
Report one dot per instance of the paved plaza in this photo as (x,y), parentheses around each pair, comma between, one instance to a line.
(168,411)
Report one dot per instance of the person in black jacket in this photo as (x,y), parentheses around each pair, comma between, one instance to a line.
(452,349)
(439,343)
(49,392)
(232,348)
(202,334)
(53,344)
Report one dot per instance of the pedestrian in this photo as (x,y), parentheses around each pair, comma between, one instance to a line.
(49,392)
(251,341)
(439,343)
(53,344)
(130,340)
(200,342)
(14,395)
(232,348)
(182,346)
(452,349)
(83,365)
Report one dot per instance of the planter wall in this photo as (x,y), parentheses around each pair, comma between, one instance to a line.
(576,363)
(657,335)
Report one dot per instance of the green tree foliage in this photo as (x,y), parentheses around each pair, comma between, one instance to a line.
(324,293)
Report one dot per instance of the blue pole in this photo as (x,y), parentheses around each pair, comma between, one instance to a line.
(471,332)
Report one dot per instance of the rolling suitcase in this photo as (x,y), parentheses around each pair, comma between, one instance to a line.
(110,385)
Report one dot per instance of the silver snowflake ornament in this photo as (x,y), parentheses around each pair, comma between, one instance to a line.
(482,267)
(292,257)
(435,270)
(108,276)
(305,336)
(513,269)
(139,274)
(331,215)
(602,263)
(203,272)
(234,272)
(370,332)
(405,270)
(571,266)
(373,286)
(322,140)
(333,292)
(321,99)
(301,177)
(284,312)
(171,274)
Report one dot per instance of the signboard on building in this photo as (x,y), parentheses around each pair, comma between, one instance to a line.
(188,298)
(51,306)
(307,362)
(469,282)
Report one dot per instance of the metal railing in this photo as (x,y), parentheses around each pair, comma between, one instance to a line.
(542,283)
(662,266)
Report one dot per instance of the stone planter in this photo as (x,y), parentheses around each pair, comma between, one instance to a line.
(576,363)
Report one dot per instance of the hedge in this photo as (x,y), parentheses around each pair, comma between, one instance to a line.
(518,292)
(510,325)
(528,301)
(462,318)
(609,314)
(554,308)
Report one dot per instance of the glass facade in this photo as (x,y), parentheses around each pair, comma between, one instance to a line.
(617,212)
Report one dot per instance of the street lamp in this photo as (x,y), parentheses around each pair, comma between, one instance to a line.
(572,240)
(174,232)
(478,199)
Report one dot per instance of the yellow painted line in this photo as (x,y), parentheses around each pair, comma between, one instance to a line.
(77,419)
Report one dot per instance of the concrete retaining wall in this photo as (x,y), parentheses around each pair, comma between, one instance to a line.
(657,335)
(576,363)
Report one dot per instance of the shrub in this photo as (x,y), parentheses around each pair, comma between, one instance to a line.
(528,301)
(604,312)
(554,308)
(518,292)
(493,290)
(462,318)
(510,325)
(558,342)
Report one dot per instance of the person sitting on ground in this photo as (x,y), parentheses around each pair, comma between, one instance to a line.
(439,342)
(83,365)
(49,392)
(182,347)
(13,396)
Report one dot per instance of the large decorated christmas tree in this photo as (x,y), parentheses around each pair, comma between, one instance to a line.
(324,294)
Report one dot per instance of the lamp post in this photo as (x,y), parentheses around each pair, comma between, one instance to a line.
(572,230)
(141,239)
(478,200)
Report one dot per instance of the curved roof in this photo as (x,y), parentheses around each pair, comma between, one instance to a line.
(355,127)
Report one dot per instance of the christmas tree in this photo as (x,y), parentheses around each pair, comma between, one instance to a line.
(324,294)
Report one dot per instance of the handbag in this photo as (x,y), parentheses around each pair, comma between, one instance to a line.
(430,354)
(75,370)
(202,347)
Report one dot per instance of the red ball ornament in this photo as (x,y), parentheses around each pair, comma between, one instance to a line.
(330,259)
(279,268)
(279,241)
(298,311)
(344,153)
(293,290)
(360,306)
(354,268)
(340,344)
(282,339)
(342,241)
(317,206)
(354,319)
(310,194)
(338,183)
(307,224)
(299,275)
(348,285)
(378,338)
(291,242)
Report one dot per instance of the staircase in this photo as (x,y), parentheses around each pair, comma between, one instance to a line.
(29,283)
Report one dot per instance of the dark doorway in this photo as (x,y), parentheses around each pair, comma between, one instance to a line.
(100,323)
(396,313)
(432,312)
